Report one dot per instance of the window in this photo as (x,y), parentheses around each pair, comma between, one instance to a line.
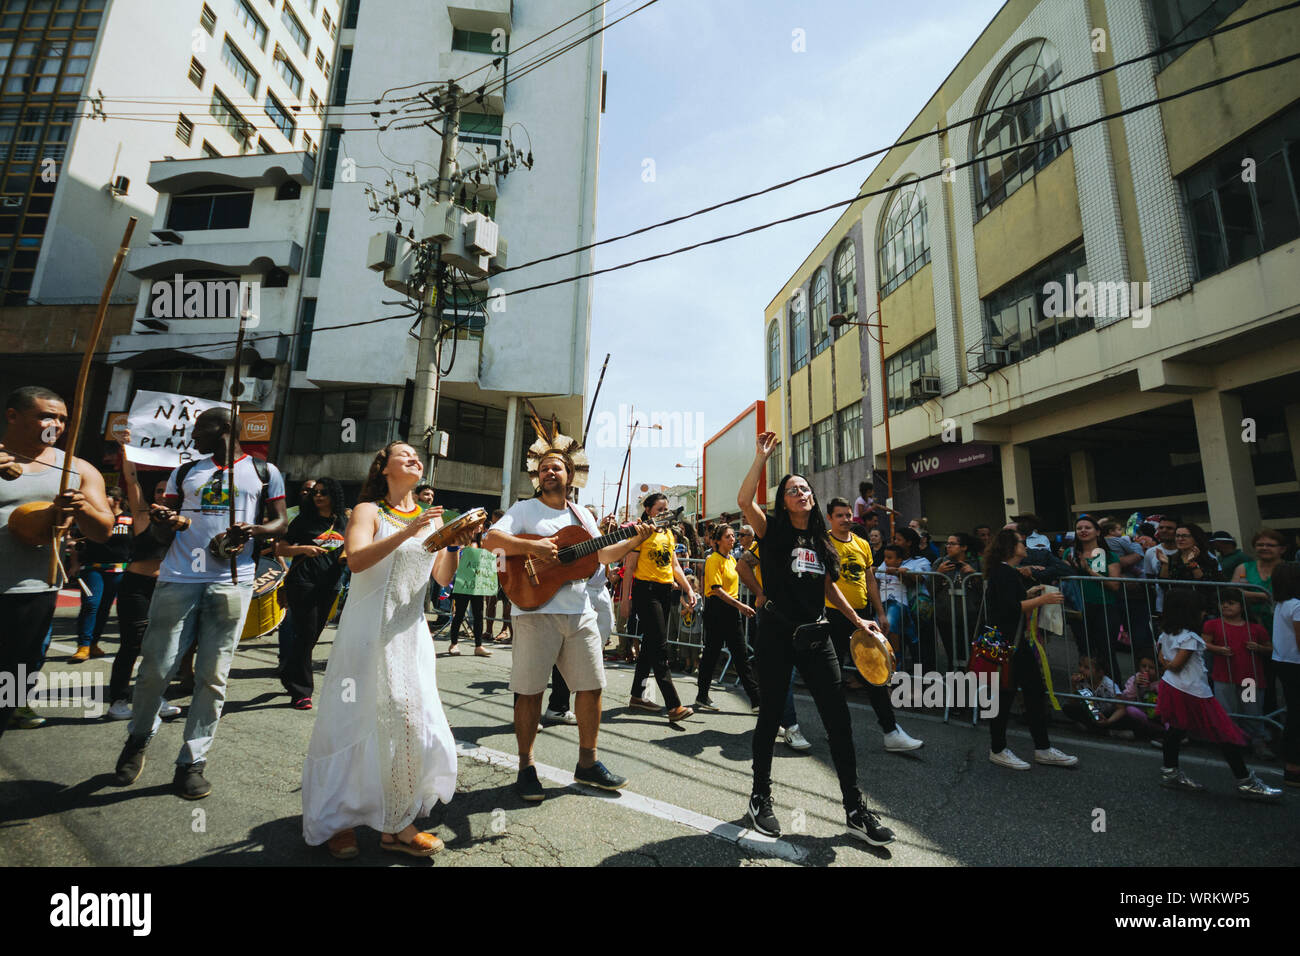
(208,19)
(304,335)
(468,310)
(773,356)
(774,467)
(280,116)
(350,14)
(240,67)
(845,299)
(1022,318)
(275,278)
(482,128)
(821,331)
(848,423)
(798,332)
(904,239)
(341,84)
(292,78)
(801,456)
(317,255)
(325,19)
(320,60)
(333,136)
(1015,120)
(314,102)
(296,30)
(211,151)
(209,294)
(264,147)
(197,72)
(318,416)
(1234,220)
(1185,21)
(184,129)
(245,14)
(478,432)
(824,444)
(472,42)
(905,367)
(308,146)
(229,117)
(210,207)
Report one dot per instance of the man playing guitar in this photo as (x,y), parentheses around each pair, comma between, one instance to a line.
(563,631)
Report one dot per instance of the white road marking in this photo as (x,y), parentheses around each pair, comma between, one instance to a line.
(744,838)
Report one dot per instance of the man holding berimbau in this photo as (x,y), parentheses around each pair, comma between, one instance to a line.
(195,600)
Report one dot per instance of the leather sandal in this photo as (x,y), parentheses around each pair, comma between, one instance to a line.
(422,844)
(343,845)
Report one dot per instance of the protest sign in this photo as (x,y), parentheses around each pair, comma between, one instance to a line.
(162,428)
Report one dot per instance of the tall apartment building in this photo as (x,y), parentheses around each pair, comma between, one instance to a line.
(1008,391)
(352,387)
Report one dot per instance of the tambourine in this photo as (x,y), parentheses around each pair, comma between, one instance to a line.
(872,656)
(219,547)
(470,519)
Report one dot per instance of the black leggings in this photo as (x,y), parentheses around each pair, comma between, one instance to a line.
(1231,753)
(841,635)
(460,602)
(652,601)
(776,655)
(24,621)
(722,624)
(311,612)
(1028,678)
(133,598)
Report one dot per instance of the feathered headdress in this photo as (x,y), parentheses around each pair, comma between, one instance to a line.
(551,442)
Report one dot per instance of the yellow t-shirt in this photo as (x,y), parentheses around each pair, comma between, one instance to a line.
(855,565)
(758,567)
(720,572)
(654,561)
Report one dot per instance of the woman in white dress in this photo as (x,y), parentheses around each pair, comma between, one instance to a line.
(381,752)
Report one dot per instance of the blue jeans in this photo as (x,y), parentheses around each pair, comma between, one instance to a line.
(95,607)
(180,612)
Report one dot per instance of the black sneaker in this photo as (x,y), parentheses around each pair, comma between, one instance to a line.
(598,775)
(865,825)
(190,783)
(761,816)
(130,762)
(705,705)
(528,786)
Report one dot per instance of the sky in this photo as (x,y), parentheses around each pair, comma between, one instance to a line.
(708,99)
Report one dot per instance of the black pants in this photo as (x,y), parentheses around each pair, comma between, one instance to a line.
(841,633)
(652,601)
(776,657)
(1231,753)
(1289,674)
(311,610)
(722,625)
(460,602)
(559,702)
(24,621)
(1028,678)
(133,598)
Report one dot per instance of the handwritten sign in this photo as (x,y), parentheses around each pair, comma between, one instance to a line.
(162,428)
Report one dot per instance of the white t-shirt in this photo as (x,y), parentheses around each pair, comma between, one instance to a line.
(1191,679)
(891,586)
(531,516)
(1284,617)
(921,565)
(206,503)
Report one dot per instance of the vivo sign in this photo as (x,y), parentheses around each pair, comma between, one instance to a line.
(936,461)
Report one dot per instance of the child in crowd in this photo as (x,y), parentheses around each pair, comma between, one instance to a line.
(1090,680)
(1187,707)
(893,595)
(1239,648)
(1141,688)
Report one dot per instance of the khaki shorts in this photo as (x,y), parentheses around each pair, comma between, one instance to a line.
(571,642)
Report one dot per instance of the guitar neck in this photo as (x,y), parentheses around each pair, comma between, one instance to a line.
(576,551)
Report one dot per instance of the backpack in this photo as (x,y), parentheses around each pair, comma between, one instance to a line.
(259,465)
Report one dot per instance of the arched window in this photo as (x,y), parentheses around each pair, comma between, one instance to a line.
(773,356)
(821,294)
(904,237)
(1016,120)
(845,289)
(798,331)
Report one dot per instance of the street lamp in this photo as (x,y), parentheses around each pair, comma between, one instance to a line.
(840,320)
(697,468)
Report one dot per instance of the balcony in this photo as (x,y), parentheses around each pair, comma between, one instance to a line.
(249,172)
(234,258)
(481,16)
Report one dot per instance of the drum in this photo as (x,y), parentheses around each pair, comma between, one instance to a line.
(872,656)
(470,519)
(265,612)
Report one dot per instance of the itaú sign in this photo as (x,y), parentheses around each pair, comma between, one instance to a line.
(935,461)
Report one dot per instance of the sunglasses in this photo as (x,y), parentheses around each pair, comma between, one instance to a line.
(320,493)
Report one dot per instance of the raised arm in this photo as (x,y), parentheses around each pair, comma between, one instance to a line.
(747,498)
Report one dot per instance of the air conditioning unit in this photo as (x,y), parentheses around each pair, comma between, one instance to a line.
(991,358)
(925,386)
(119,186)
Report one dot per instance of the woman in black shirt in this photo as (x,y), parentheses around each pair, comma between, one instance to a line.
(1007,599)
(315,542)
(800,567)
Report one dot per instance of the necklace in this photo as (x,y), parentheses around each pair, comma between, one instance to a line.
(400,518)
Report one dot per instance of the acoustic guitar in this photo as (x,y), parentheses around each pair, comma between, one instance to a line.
(531,580)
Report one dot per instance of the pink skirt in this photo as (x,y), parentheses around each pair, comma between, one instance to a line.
(1201,717)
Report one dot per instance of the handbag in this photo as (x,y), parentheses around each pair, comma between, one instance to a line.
(804,637)
(990,651)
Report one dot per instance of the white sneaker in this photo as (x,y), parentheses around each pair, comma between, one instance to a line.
(119,710)
(795,740)
(568,717)
(168,710)
(1054,758)
(1007,759)
(898,741)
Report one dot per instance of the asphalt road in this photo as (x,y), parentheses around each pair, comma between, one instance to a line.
(683,807)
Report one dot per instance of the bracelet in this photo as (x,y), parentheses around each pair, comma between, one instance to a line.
(453,549)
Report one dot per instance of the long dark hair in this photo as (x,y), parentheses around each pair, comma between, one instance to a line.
(648,503)
(1182,611)
(779,538)
(1002,548)
(1199,537)
(1285,581)
(335,492)
(375,487)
